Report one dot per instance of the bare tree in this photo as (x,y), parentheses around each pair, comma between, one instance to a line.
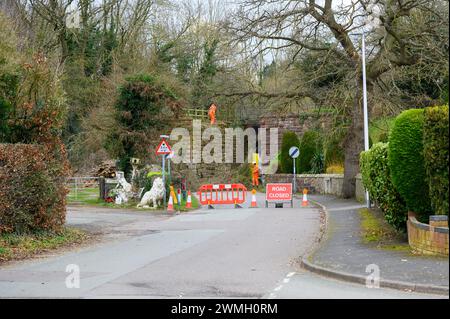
(399,32)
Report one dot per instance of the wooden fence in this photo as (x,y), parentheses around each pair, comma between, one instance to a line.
(202,114)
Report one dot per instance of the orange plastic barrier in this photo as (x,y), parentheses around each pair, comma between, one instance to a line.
(216,194)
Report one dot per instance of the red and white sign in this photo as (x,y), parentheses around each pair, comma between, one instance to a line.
(163,148)
(279,192)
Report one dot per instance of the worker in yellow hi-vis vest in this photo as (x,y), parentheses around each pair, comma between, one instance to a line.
(172,193)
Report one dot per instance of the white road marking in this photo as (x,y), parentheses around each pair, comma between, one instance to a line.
(278,288)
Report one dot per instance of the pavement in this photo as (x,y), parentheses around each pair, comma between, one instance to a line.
(207,253)
(343,253)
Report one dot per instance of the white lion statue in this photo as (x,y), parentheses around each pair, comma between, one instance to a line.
(154,195)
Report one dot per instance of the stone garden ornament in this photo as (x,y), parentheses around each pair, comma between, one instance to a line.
(123,189)
(155,195)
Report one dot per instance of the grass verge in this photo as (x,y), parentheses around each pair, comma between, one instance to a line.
(194,204)
(89,197)
(375,230)
(19,246)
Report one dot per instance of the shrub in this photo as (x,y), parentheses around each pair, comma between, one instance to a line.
(435,151)
(310,146)
(149,179)
(289,139)
(376,178)
(335,169)
(142,109)
(32,188)
(379,129)
(406,161)
(334,153)
(317,163)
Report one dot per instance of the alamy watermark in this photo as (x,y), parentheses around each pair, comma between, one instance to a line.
(373,279)
(225,147)
(73,279)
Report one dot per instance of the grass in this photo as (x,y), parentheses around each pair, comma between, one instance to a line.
(19,246)
(400,247)
(194,204)
(375,230)
(90,197)
(82,195)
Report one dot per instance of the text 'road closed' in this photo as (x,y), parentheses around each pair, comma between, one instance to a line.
(279,192)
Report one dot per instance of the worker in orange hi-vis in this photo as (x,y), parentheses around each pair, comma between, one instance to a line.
(255,175)
(212,113)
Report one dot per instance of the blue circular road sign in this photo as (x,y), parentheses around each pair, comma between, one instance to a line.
(294,152)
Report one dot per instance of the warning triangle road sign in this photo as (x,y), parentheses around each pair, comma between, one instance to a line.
(163,148)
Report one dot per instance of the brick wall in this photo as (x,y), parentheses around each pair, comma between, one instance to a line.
(203,173)
(427,239)
(298,123)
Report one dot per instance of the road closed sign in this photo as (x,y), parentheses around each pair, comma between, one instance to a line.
(278,192)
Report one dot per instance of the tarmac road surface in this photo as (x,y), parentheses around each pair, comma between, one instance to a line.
(216,253)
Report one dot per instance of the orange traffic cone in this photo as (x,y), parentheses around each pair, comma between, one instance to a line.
(253,204)
(170,204)
(189,200)
(305,197)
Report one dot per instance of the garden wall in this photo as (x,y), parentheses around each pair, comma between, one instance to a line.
(428,239)
(318,183)
(298,123)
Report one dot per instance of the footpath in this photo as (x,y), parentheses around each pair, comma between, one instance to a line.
(343,255)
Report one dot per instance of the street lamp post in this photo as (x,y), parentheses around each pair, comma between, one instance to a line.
(366,116)
(365,112)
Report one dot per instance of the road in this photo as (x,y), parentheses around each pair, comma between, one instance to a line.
(217,253)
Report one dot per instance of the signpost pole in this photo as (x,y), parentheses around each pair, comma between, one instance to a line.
(163,149)
(163,177)
(295,180)
(294,153)
(168,171)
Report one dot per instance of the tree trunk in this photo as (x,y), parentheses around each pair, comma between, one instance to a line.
(353,144)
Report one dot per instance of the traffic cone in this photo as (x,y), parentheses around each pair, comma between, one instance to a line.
(253,204)
(189,200)
(170,204)
(305,197)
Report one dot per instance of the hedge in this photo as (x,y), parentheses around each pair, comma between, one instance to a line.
(377,180)
(435,150)
(289,139)
(32,188)
(310,146)
(406,161)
